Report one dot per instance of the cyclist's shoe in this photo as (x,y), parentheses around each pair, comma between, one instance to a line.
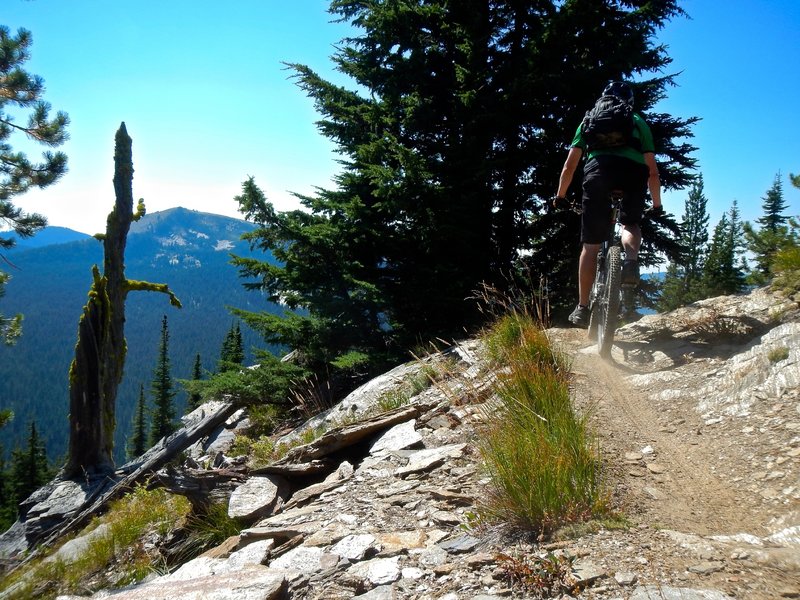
(580,316)
(630,273)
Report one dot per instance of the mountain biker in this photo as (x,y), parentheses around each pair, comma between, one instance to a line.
(630,168)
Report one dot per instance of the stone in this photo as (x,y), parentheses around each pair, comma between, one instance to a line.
(460,545)
(396,542)
(252,554)
(383,592)
(625,579)
(651,592)
(398,437)
(258,497)
(706,567)
(331,482)
(378,571)
(426,460)
(249,583)
(306,559)
(354,547)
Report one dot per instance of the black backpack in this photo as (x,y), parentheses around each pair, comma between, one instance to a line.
(609,124)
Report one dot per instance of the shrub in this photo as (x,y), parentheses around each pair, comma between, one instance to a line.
(543,462)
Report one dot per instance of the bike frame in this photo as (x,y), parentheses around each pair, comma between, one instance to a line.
(606,295)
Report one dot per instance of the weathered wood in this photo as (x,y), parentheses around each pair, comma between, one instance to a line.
(158,456)
(202,487)
(96,370)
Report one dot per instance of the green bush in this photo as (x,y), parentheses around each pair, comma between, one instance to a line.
(786,267)
(543,462)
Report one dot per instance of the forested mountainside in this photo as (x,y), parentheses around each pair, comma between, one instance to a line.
(186,249)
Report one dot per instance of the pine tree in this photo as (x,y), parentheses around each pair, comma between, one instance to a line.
(29,467)
(195,399)
(795,179)
(451,143)
(725,268)
(138,440)
(20,90)
(231,355)
(682,283)
(772,235)
(163,422)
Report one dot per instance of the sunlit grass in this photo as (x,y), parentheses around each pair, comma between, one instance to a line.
(541,456)
(119,542)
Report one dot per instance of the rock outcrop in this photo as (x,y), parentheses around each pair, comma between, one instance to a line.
(385,506)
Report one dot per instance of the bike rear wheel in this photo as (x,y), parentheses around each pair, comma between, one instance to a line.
(608,304)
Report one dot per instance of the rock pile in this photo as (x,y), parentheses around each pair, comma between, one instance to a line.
(385,504)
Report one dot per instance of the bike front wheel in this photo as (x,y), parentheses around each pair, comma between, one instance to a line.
(609,303)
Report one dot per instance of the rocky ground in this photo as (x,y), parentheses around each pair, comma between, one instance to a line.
(699,427)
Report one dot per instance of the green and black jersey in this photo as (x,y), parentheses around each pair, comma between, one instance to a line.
(641,132)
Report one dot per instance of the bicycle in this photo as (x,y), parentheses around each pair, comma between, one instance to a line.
(606,296)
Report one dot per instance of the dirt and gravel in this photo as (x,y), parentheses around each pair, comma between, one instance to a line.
(701,436)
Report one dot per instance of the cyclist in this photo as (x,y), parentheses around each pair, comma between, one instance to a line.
(630,168)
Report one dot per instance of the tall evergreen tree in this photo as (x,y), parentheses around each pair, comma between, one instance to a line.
(231,355)
(724,271)
(683,281)
(772,235)
(195,398)
(162,389)
(137,444)
(22,91)
(451,143)
(29,467)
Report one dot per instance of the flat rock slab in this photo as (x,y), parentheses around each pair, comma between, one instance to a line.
(651,592)
(249,583)
(398,437)
(258,497)
(426,460)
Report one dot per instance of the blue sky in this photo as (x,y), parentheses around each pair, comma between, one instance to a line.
(205,96)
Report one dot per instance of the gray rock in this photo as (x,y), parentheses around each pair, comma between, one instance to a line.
(460,545)
(75,548)
(426,460)
(252,554)
(306,559)
(378,571)
(383,592)
(258,497)
(249,583)
(354,547)
(398,437)
(651,592)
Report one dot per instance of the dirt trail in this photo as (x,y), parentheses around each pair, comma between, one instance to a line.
(681,481)
(689,496)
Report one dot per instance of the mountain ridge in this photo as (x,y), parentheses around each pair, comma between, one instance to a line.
(188,250)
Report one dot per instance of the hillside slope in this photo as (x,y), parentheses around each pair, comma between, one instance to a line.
(698,424)
(188,250)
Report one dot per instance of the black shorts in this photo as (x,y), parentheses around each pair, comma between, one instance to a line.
(601,176)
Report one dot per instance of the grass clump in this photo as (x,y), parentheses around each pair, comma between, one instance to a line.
(115,555)
(778,354)
(542,459)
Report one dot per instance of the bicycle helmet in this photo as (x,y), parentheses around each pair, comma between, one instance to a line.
(621,90)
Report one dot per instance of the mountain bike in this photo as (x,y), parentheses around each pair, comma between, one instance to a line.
(606,296)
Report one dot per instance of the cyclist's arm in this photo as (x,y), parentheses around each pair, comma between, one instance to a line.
(568,172)
(653,180)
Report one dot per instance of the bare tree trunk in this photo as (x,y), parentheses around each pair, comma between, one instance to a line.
(97,369)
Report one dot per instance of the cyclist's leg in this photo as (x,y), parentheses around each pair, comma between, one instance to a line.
(594,224)
(633,178)
(587,265)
